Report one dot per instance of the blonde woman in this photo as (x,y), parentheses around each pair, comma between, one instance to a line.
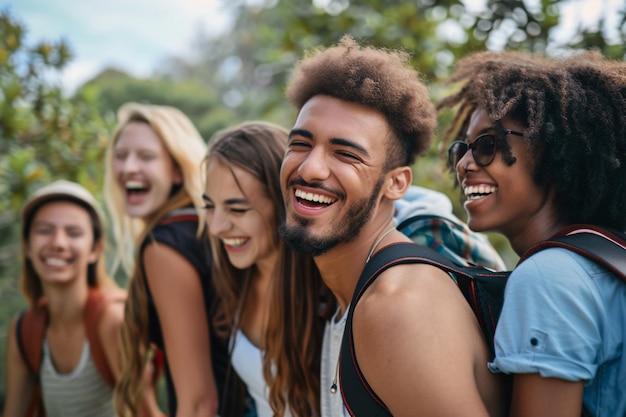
(153,186)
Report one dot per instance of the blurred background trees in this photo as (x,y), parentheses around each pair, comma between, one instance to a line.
(46,134)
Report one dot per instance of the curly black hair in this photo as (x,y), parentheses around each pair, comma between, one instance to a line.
(377,78)
(574,110)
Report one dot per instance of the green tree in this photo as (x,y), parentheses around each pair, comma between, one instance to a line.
(250,64)
(43,136)
(194,97)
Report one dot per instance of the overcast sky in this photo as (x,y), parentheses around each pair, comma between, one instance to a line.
(136,35)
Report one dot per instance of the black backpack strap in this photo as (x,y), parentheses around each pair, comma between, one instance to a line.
(359,398)
(604,246)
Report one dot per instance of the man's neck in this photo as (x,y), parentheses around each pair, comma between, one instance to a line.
(342,266)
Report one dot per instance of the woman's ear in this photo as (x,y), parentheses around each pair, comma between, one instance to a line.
(96,252)
(177,177)
(397,182)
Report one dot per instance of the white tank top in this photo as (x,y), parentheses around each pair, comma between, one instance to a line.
(81,392)
(247,361)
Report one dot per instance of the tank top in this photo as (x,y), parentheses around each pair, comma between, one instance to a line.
(247,360)
(181,236)
(82,392)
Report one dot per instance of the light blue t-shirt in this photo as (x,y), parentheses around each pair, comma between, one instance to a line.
(564,317)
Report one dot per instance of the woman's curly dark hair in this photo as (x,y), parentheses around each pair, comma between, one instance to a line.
(574,110)
(377,78)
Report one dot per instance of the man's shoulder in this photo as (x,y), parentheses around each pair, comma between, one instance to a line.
(411,289)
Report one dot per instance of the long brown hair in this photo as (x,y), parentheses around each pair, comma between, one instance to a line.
(291,364)
(186,147)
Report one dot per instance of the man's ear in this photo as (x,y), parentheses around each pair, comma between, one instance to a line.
(397,182)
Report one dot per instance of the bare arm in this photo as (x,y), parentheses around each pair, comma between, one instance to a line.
(536,396)
(20,383)
(177,292)
(109,332)
(419,345)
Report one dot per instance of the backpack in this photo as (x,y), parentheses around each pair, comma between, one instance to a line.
(30,329)
(452,238)
(482,288)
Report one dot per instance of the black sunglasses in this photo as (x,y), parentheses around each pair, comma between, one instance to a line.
(483,149)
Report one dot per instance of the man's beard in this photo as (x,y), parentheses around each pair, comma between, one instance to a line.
(300,240)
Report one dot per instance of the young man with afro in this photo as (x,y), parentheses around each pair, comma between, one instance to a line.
(363,117)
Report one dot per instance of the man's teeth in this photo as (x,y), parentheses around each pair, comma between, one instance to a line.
(473,192)
(234,242)
(316,198)
(55,261)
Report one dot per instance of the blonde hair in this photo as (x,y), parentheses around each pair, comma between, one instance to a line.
(186,147)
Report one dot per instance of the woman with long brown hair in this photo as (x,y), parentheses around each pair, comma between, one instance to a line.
(270,295)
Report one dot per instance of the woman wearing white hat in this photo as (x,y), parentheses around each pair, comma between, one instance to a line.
(62,352)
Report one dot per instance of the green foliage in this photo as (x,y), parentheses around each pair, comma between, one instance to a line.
(43,136)
(196,98)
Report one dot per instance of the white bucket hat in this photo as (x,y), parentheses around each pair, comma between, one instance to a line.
(60,189)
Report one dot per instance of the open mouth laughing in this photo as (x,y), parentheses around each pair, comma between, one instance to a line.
(136,187)
(313,199)
(475,192)
(56,261)
(235,242)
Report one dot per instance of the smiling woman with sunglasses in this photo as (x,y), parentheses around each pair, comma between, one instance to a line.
(561,332)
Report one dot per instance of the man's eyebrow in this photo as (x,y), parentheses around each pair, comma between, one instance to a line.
(205,197)
(300,132)
(335,141)
(350,144)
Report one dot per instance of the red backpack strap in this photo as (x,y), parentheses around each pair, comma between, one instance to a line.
(30,331)
(184,214)
(97,303)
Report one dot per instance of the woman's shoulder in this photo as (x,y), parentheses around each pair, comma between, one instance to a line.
(181,235)
(557,274)
(558,263)
(176,228)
